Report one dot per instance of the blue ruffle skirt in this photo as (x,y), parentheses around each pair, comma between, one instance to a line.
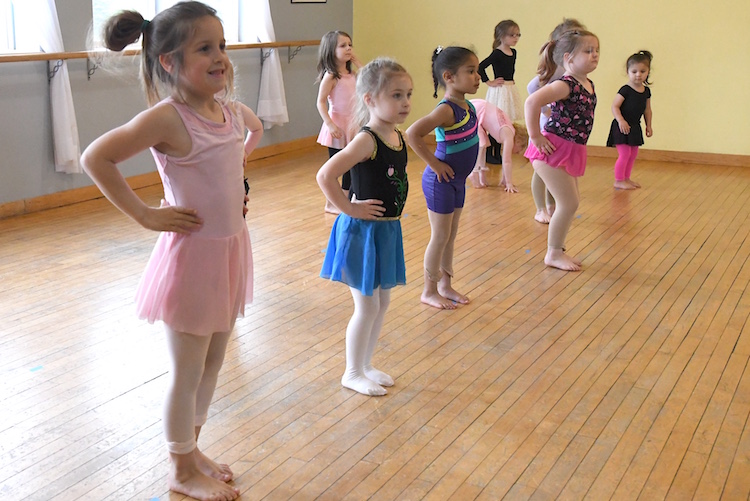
(365,255)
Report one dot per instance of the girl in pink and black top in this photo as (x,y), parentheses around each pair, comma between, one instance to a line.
(558,153)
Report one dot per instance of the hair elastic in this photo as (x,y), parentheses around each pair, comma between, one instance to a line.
(145,24)
(439,49)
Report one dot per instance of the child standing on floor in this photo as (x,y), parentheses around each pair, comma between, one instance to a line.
(336,73)
(558,153)
(631,102)
(496,124)
(543,200)
(455,123)
(199,276)
(502,90)
(366,249)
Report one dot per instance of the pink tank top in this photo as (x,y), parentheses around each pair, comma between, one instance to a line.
(209,179)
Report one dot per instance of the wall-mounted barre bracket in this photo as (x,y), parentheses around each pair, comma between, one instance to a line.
(53,70)
(291,54)
(91,67)
(265,55)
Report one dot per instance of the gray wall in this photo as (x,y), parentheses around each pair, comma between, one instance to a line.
(107,100)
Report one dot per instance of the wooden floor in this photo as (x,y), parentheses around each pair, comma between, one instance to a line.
(628,380)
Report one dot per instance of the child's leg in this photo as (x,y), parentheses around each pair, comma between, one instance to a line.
(440,226)
(214,360)
(538,190)
(372,373)
(478,176)
(565,190)
(629,168)
(550,202)
(187,355)
(506,136)
(621,166)
(358,334)
(444,284)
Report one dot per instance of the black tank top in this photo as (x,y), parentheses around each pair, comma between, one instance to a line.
(383,175)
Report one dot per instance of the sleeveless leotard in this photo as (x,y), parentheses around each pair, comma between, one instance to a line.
(458,146)
(367,254)
(199,283)
(340,106)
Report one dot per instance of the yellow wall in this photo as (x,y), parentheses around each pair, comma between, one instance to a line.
(700,72)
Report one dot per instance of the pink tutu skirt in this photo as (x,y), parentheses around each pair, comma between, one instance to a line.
(196,284)
(568,155)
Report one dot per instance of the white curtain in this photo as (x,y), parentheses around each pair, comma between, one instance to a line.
(257,25)
(37,28)
(42,15)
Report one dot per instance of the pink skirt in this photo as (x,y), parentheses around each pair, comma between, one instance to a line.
(568,155)
(195,284)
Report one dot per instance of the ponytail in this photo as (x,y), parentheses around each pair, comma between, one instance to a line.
(547,66)
(435,78)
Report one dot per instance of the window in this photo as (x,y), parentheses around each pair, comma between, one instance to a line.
(227,10)
(18,26)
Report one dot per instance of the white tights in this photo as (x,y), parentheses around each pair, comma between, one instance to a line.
(361,339)
(195,362)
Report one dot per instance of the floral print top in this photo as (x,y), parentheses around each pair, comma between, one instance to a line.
(573,118)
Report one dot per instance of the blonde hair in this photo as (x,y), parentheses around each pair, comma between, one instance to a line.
(554,50)
(372,79)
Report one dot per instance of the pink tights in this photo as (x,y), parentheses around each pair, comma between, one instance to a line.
(625,159)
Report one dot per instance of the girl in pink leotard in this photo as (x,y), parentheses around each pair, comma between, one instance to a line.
(337,66)
(199,277)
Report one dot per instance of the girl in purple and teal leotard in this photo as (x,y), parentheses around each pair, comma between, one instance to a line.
(444,180)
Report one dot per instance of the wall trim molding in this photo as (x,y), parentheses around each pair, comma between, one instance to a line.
(76,195)
(83,194)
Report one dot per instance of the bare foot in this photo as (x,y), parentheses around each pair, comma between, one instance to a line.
(623,185)
(633,183)
(379,377)
(213,469)
(542,216)
(197,485)
(550,210)
(362,385)
(437,301)
(452,294)
(558,259)
(331,209)
(483,177)
(474,178)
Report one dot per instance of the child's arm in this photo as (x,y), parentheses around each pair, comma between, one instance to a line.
(160,127)
(621,122)
(326,86)
(482,69)
(358,150)
(554,91)
(442,115)
(647,118)
(254,127)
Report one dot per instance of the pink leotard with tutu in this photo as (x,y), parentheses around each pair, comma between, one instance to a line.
(340,107)
(199,283)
